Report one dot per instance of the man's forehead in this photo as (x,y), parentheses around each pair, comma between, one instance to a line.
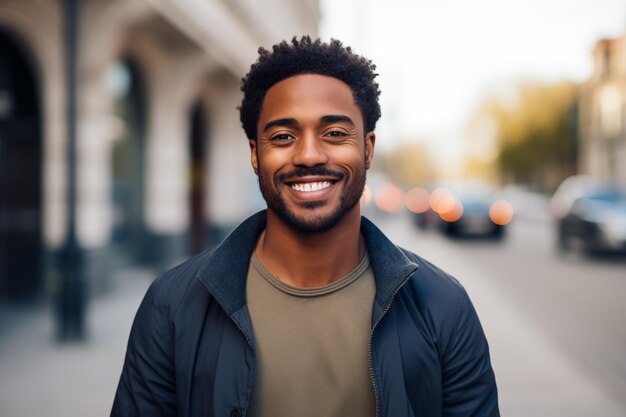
(303,82)
(312,92)
(309,99)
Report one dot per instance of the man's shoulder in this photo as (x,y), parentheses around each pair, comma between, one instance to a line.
(439,299)
(433,288)
(175,285)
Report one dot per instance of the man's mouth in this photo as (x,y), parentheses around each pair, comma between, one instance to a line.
(307,187)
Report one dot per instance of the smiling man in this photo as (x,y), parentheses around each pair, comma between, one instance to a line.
(307,309)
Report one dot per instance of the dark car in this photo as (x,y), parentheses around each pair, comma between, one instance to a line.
(594,221)
(468,208)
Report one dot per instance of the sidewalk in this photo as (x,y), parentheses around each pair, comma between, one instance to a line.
(40,377)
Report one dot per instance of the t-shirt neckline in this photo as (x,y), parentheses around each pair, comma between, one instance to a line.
(311,291)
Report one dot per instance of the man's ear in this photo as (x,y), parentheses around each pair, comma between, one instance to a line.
(254,160)
(370,141)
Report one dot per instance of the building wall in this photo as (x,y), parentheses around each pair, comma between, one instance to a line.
(186,53)
(603,113)
(37,23)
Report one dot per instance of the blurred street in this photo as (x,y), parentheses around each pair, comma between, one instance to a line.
(121,152)
(554,325)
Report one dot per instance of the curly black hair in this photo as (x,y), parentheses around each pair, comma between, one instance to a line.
(307,56)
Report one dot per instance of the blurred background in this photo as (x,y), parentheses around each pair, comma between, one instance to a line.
(501,157)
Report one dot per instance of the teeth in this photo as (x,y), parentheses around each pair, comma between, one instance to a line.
(311,186)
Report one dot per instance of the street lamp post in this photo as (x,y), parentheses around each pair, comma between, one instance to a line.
(71,297)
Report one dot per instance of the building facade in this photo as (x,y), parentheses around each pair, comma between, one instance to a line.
(162,164)
(603,114)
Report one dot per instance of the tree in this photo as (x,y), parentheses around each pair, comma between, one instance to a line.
(536,135)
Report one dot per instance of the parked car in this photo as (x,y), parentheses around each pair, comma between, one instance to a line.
(469,208)
(590,216)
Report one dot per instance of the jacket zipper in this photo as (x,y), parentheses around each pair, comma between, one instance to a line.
(369,343)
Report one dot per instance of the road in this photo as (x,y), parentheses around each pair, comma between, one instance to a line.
(555,323)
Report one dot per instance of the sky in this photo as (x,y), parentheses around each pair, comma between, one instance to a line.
(437,60)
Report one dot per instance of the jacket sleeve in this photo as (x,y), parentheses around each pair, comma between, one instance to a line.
(147,385)
(469,386)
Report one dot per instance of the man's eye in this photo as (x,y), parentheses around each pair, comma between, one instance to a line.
(335,134)
(281,137)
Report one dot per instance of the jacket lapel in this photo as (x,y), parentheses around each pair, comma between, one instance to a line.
(391,266)
(225,271)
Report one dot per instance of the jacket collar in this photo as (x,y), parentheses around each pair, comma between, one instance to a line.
(224,272)
(392,268)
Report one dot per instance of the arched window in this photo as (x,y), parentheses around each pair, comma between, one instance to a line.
(129,107)
(20,171)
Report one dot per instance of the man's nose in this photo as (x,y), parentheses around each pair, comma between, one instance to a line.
(310,151)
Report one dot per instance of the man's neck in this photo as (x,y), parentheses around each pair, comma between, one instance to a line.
(311,260)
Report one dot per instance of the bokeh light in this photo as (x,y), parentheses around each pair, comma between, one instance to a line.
(501,212)
(441,200)
(417,200)
(452,210)
(390,198)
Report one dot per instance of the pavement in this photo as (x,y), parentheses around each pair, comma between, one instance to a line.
(40,377)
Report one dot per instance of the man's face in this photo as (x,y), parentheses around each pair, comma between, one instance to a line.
(311,152)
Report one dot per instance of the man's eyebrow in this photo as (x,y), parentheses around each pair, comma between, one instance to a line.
(280,122)
(334,118)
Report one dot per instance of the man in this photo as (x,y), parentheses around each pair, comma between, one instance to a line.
(307,309)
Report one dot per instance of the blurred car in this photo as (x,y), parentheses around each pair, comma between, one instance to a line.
(468,208)
(590,215)
(529,204)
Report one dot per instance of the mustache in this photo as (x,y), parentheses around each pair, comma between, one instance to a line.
(312,171)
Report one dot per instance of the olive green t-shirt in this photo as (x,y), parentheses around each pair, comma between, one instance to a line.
(311,345)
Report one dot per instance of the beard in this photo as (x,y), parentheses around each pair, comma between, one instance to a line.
(304,221)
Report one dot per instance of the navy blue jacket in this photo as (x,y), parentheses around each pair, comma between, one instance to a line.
(191,347)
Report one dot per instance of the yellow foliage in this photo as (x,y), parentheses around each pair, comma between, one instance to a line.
(538,109)
(534,134)
(409,164)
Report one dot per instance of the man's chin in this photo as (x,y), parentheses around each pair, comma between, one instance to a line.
(312,205)
(311,223)
(309,217)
